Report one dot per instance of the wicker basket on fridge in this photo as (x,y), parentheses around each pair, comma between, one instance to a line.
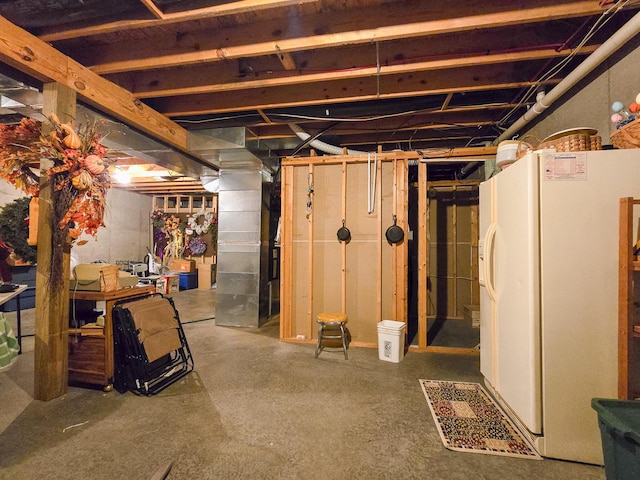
(627,136)
(573,140)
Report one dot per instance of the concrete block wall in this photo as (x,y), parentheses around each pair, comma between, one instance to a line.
(588,104)
(126,236)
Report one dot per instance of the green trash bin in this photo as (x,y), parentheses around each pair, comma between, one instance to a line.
(619,422)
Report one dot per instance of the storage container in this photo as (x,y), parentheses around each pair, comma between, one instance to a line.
(391,340)
(619,422)
(188,281)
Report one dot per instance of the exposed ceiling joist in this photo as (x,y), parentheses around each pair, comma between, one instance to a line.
(380,72)
(31,55)
(258,40)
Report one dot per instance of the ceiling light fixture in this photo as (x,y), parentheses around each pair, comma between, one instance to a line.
(121,176)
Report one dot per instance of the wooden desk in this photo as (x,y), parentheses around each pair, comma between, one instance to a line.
(4,298)
(91,349)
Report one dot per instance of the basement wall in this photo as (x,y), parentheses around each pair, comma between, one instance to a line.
(127,232)
(588,104)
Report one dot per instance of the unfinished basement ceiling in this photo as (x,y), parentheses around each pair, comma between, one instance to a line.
(362,74)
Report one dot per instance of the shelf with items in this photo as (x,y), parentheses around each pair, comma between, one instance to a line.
(185,203)
(628,303)
(91,356)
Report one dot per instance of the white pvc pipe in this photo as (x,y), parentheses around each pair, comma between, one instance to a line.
(604,51)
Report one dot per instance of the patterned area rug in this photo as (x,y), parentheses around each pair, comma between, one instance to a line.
(470,421)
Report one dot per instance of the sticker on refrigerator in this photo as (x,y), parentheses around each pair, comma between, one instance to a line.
(565,166)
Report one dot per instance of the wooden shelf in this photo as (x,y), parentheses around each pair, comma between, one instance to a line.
(91,358)
(628,304)
(185,203)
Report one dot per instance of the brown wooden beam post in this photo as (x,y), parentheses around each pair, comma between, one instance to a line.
(403,252)
(423,256)
(52,300)
(286,253)
(343,245)
(310,321)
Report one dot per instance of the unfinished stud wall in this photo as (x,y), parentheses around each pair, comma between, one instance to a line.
(452,251)
(365,277)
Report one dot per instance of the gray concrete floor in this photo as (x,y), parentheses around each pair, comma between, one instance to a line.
(254,408)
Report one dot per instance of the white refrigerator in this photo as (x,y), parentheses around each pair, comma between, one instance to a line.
(548,261)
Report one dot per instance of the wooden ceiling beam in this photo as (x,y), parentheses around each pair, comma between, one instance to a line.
(63,32)
(348,90)
(153,8)
(257,40)
(21,50)
(187,82)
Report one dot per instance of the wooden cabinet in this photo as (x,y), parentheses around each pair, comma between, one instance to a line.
(91,358)
(628,303)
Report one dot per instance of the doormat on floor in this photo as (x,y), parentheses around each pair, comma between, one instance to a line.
(468,420)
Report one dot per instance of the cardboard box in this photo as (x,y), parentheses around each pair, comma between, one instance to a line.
(472,312)
(173,283)
(205,275)
(161,285)
(168,284)
(182,265)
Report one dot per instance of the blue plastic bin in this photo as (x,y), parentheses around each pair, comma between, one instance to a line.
(188,281)
(619,422)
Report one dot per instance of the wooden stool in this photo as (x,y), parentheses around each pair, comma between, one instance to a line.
(332,327)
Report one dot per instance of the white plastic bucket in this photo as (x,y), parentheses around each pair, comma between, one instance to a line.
(391,340)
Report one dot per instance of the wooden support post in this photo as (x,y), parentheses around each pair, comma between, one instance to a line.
(454,253)
(52,300)
(380,240)
(423,256)
(403,251)
(475,233)
(286,258)
(343,246)
(394,247)
(310,322)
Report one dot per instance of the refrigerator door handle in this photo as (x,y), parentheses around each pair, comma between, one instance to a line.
(488,263)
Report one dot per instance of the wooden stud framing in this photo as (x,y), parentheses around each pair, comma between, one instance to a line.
(286,258)
(394,247)
(310,265)
(423,256)
(475,233)
(424,247)
(343,245)
(380,241)
(390,301)
(454,252)
(402,264)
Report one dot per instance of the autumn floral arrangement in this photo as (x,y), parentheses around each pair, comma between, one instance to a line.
(77,169)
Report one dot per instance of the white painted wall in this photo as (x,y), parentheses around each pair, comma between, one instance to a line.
(127,234)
